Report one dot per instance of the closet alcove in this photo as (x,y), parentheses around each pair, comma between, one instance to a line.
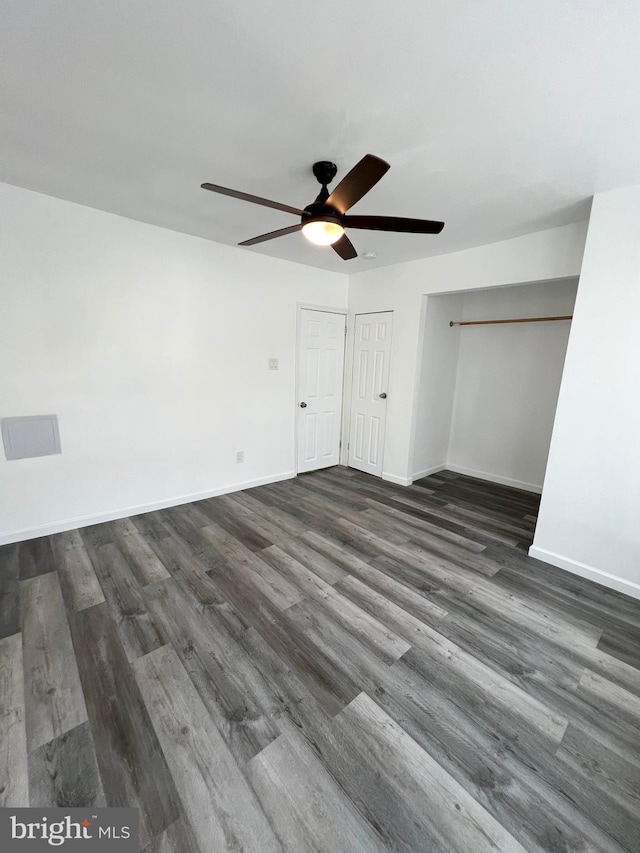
(487,393)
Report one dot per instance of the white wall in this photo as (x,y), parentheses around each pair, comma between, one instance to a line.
(507,383)
(589,520)
(436,383)
(552,254)
(151,347)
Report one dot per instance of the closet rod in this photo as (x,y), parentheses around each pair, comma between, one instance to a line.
(494,322)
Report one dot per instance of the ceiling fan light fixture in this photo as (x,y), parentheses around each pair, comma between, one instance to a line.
(322,232)
(323,222)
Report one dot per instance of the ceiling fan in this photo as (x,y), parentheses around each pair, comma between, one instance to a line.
(323,222)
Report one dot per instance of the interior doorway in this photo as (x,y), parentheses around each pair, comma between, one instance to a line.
(319,385)
(369,391)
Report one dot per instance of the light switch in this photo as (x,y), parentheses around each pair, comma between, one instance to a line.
(273,364)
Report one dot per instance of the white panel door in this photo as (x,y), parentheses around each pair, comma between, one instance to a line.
(371,354)
(319,388)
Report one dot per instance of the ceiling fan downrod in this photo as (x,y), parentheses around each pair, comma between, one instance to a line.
(325,172)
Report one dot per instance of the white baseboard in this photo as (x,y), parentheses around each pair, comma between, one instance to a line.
(495,478)
(584,571)
(427,472)
(125,512)
(399,481)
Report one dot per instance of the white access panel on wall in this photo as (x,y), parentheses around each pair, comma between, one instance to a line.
(372,349)
(320,367)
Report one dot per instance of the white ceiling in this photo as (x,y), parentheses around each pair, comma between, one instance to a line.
(499,117)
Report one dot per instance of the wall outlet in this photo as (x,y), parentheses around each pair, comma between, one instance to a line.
(240,456)
(273,364)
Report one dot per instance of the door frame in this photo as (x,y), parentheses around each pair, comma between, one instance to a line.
(348,381)
(307,306)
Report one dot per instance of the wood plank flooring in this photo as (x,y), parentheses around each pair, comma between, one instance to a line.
(331,663)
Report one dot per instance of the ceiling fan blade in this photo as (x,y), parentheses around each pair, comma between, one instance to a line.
(393,223)
(256,199)
(357,183)
(345,248)
(271,235)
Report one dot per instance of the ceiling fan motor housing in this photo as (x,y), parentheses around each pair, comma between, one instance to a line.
(319,210)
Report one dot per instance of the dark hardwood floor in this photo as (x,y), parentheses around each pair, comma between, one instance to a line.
(331,663)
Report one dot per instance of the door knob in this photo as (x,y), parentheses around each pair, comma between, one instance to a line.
(303,405)
(383,396)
